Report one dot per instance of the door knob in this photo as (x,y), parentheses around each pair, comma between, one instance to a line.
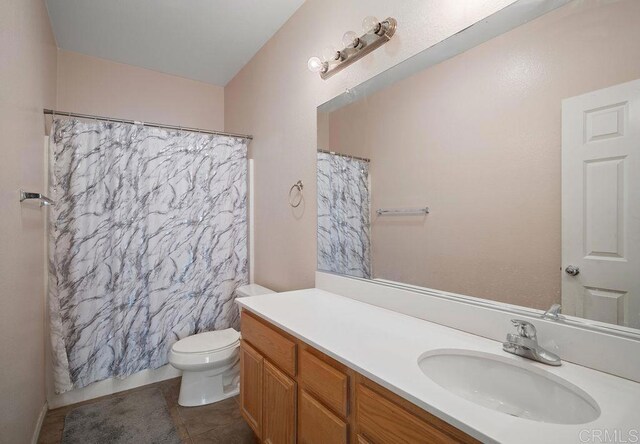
(572,270)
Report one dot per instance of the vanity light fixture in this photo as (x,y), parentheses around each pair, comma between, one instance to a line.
(376,34)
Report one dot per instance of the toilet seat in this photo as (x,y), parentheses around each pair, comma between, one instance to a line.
(209,350)
(207,342)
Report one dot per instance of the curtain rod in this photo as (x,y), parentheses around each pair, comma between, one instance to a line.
(150,124)
(344,155)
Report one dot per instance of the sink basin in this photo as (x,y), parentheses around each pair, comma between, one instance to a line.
(509,386)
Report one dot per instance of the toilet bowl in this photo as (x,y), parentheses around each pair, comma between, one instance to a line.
(210,361)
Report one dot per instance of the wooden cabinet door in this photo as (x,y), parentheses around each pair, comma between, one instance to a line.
(251,369)
(317,424)
(279,397)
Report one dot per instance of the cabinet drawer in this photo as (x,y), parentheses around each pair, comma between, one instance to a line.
(317,424)
(329,385)
(383,422)
(275,347)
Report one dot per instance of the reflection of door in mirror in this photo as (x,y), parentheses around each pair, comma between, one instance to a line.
(600,214)
(343,215)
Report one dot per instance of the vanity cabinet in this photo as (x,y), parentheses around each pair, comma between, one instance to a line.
(293,393)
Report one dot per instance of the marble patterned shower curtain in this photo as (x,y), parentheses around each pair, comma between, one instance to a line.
(147,244)
(343,215)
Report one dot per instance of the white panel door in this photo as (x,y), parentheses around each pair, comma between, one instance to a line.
(601,205)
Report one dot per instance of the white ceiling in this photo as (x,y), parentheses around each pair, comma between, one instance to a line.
(206,40)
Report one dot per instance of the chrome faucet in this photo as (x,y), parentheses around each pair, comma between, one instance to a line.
(553,313)
(525,344)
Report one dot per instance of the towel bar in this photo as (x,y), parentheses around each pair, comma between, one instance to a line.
(44,200)
(402,212)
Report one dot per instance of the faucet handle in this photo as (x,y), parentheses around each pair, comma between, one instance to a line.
(553,313)
(525,329)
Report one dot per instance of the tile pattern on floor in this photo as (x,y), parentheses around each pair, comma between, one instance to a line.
(219,423)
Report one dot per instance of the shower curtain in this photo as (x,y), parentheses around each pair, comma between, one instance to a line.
(343,215)
(147,244)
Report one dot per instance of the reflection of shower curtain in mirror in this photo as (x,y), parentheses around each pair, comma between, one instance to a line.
(147,244)
(343,215)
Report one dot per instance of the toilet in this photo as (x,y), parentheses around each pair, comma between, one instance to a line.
(210,361)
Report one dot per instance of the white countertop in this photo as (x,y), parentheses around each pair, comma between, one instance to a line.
(385,346)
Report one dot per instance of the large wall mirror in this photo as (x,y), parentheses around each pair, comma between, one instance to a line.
(509,172)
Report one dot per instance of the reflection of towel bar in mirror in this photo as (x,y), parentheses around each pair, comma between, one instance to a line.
(402,212)
(44,200)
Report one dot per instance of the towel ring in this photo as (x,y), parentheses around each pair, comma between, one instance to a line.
(299,186)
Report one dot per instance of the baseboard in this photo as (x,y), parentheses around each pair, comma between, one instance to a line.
(36,431)
(111,386)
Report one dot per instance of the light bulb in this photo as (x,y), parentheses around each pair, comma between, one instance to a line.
(315,64)
(350,39)
(370,24)
(329,54)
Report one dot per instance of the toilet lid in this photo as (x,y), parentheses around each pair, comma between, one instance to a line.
(208,341)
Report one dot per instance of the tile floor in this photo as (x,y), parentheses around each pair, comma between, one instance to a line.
(219,423)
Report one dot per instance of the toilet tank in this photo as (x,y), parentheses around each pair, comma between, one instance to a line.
(252,290)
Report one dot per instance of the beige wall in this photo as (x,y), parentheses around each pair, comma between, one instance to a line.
(274,97)
(91,85)
(27,84)
(478,139)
